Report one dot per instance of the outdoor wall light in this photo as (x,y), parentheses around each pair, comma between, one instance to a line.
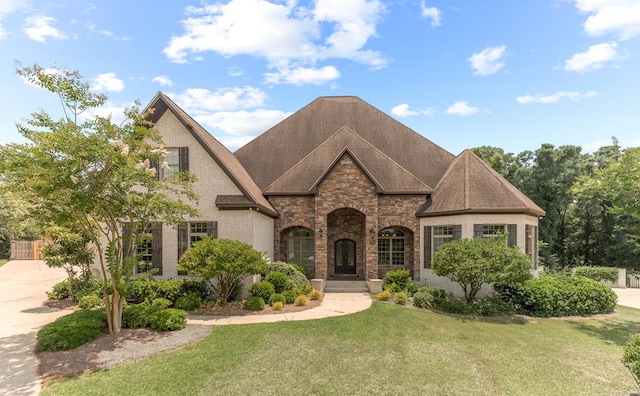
(372,233)
(320,232)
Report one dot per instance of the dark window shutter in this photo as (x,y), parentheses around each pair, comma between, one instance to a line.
(535,247)
(126,240)
(457,232)
(212,228)
(478,230)
(183,159)
(512,235)
(156,166)
(427,247)
(156,247)
(183,239)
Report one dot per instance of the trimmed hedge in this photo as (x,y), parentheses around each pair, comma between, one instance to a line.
(146,290)
(71,331)
(559,295)
(597,273)
(143,315)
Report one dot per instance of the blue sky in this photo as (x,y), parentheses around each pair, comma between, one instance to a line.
(505,73)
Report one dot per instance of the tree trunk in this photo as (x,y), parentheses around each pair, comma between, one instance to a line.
(114,307)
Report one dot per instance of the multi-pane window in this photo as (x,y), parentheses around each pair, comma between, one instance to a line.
(171,163)
(391,248)
(441,235)
(301,248)
(197,231)
(145,253)
(492,230)
(192,232)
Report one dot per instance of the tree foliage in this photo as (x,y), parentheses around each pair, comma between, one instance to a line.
(95,175)
(224,262)
(472,262)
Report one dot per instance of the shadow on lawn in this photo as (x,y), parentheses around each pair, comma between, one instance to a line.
(611,331)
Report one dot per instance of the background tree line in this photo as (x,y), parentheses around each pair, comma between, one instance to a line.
(592,201)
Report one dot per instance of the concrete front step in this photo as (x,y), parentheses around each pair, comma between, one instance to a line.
(344,286)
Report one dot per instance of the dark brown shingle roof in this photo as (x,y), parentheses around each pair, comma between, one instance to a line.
(472,186)
(388,176)
(283,147)
(219,153)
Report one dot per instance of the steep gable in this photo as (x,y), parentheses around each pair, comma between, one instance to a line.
(252,196)
(268,157)
(388,176)
(472,186)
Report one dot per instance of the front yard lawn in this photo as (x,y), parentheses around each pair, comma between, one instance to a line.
(386,350)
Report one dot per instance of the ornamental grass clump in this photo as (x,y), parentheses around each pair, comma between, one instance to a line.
(301,301)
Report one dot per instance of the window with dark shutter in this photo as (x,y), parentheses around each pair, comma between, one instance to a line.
(427,247)
(183,159)
(457,232)
(535,247)
(478,230)
(213,229)
(512,235)
(156,248)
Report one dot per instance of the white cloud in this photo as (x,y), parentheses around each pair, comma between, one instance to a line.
(487,61)
(594,58)
(286,34)
(243,123)
(592,147)
(635,143)
(403,110)
(462,108)
(197,101)
(93,28)
(164,81)
(555,98)
(107,82)
(621,17)
(431,12)
(38,28)
(8,7)
(235,71)
(303,75)
(115,112)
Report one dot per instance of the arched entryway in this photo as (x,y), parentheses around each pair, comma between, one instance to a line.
(345,244)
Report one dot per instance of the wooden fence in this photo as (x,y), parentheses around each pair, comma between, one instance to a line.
(25,250)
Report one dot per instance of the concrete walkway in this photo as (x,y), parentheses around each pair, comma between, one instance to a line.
(333,304)
(628,297)
(23,287)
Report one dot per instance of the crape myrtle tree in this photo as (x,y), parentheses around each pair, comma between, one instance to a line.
(95,175)
(471,262)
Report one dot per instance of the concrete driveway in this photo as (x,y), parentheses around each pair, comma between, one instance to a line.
(628,297)
(23,287)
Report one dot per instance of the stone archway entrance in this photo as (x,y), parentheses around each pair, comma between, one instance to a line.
(346,244)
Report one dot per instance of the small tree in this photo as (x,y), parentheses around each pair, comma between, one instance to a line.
(68,249)
(472,262)
(223,262)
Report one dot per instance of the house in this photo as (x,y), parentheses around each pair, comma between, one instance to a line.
(341,188)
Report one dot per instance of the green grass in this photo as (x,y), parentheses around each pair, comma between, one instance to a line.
(386,350)
(3,262)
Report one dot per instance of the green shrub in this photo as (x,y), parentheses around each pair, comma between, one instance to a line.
(279,280)
(412,288)
(429,297)
(91,302)
(631,357)
(304,270)
(305,289)
(493,306)
(400,277)
(384,295)
(315,294)
(278,305)
(401,298)
(141,289)
(262,289)
(161,302)
(560,295)
(190,302)
(60,290)
(392,287)
(161,319)
(296,278)
(169,319)
(456,307)
(301,300)
(597,273)
(289,296)
(254,303)
(71,331)
(236,292)
(277,297)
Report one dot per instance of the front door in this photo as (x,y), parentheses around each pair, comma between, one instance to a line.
(345,256)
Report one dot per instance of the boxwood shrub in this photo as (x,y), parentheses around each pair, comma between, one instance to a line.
(262,289)
(146,290)
(396,280)
(429,297)
(279,280)
(190,302)
(254,303)
(297,279)
(158,318)
(71,331)
(559,295)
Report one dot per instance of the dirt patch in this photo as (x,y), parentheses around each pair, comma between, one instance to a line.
(237,309)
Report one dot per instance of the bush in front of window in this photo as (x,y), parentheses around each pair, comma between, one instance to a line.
(279,280)
(296,277)
(397,280)
(190,302)
(263,289)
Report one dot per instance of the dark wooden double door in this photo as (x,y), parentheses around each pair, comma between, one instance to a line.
(345,256)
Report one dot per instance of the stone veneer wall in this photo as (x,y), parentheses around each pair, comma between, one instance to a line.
(347,186)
